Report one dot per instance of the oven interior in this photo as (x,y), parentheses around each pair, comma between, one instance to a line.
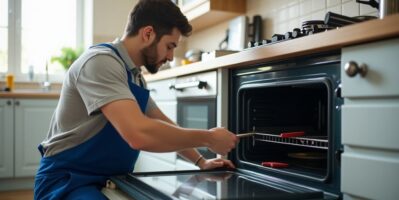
(272,109)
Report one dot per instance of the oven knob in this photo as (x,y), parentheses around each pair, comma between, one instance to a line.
(277,37)
(296,33)
(288,35)
(259,43)
(251,44)
(265,41)
(352,69)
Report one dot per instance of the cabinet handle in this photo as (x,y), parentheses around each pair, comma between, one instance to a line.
(17,103)
(352,69)
(9,103)
(181,86)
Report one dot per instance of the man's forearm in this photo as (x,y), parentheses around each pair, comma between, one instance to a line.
(190,154)
(158,136)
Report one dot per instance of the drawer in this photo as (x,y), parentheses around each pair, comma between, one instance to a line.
(159,90)
(371,123)
(370,175)
(382,61)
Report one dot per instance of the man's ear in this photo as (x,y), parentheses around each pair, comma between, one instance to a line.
(148,34)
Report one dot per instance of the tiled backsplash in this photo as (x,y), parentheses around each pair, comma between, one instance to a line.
(284,15)
(279,16)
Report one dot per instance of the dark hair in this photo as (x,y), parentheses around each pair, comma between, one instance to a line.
(162,15)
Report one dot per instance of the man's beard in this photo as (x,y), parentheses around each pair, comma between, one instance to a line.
(150,56)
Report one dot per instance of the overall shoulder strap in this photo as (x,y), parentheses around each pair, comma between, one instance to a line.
(119,55)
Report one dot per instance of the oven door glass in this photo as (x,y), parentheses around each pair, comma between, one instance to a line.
(197,113)
(195,185)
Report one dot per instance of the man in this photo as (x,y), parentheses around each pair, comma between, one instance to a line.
(105,115)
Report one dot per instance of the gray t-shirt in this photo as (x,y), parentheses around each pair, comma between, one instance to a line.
(95,79)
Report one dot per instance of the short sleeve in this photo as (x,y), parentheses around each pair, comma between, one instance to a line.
(102,79)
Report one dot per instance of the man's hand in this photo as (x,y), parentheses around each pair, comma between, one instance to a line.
(222,141)
(215,163)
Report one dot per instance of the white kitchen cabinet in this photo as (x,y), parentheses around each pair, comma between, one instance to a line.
(205,13)
(370,128)
(24,124)
(32,120)
(6,138)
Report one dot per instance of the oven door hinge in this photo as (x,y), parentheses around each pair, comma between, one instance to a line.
(338,154)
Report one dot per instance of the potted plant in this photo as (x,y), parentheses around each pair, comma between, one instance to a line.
(67,57)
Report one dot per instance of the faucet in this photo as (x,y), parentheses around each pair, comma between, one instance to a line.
(46,85)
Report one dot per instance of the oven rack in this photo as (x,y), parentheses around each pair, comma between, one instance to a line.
(319,142)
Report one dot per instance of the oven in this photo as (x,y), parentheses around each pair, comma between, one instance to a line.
(196,103)
(271,100)
(293,107)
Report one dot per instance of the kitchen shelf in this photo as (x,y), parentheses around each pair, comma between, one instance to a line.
(205,13)
(319,142)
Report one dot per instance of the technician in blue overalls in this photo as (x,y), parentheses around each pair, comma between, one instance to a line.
(105,115)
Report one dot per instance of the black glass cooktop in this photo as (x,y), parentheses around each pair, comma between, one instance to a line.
(210,185)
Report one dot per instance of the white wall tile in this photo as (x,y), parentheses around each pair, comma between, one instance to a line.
(319,15)
(350,8)
(282,28)
(283,15)
(305,18)
(366,9)
(318,5)
(294,23)
(305,7)
(333,2)
(293,11)
(335,9)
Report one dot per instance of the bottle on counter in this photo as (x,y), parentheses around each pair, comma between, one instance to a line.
(31,72)
(10,82)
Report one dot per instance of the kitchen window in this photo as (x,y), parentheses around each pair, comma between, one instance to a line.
(32,31)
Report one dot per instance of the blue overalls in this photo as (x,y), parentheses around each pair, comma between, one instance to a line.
(81,172)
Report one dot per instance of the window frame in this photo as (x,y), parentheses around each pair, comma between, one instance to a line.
(83,27)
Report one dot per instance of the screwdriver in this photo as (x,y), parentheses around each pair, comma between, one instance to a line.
(242,135)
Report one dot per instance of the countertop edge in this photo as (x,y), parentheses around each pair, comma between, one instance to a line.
(30,95)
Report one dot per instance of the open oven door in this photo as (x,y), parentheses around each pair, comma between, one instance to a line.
(210,184)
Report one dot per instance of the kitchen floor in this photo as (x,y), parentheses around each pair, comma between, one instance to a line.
(17,195)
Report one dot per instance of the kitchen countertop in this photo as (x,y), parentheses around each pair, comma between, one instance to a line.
(31,94)
(364,32)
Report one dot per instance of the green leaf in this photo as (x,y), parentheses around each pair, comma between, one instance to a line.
(67,57)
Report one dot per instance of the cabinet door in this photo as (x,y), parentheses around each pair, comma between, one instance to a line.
(381,79)
(32,120)
(6,138)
